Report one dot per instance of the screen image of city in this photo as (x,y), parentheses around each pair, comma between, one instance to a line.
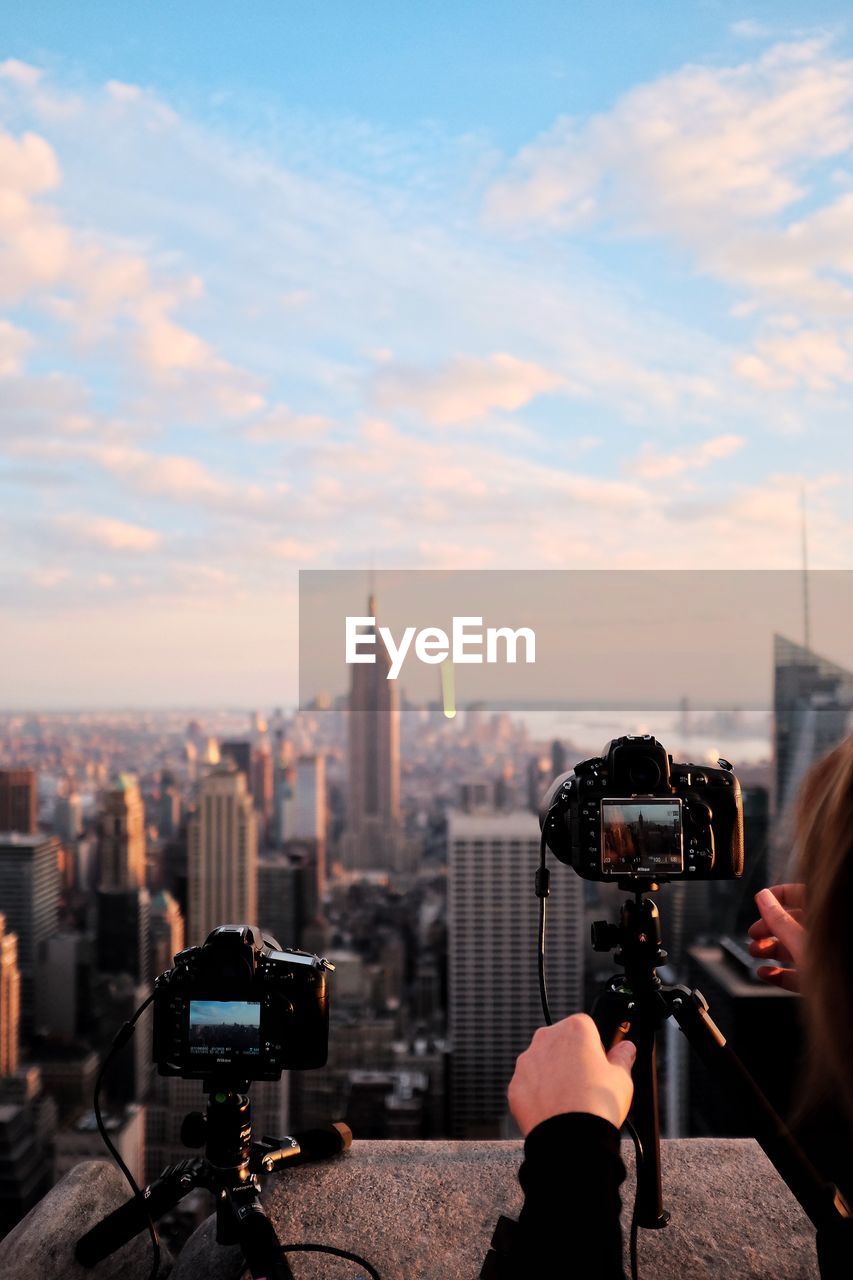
(645,834)
(225,1028)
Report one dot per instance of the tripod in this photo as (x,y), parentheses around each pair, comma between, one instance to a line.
(230,1169)
(639,997)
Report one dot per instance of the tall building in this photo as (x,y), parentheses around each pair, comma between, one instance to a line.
(280,898)
(222,855)
(372,839)
(309,816)
(18,801)
(10,1001)
(762,1024)
(81,1140)
(68,817)
(123,904)
(168,813)
(284,801)
(166,931)
(121,836)
(65,998)
(812,703)
(29,900)
(123,929)
(493,991)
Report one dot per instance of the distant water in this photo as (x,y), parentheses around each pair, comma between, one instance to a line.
(743,737)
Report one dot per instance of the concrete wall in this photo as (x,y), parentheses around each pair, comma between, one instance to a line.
(425,1211)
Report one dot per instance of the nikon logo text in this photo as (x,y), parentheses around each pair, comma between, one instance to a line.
(467,643)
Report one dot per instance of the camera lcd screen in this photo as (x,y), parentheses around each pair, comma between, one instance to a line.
(225,1030)
(641,837)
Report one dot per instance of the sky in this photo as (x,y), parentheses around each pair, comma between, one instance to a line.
(476,286)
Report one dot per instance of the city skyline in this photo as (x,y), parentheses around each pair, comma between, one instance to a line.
(255,319)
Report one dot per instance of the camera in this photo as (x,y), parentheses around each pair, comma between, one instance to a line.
(632,814)
(240,1008)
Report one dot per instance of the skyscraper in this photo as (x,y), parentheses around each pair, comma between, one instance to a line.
(121,836)
(222,855)
(812,702)
(29,900)
(123,903)
(18,801)
(309,815)
(492,972)
(10,1001)
(166,931)
(373,839)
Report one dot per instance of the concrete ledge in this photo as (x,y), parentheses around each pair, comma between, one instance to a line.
(41,1246)
(426,1211)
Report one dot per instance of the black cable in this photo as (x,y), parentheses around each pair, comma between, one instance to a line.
(543,888)
(120,1039)
(638,1160)
(338,1253)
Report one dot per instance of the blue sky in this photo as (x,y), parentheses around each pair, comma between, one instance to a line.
(281,288)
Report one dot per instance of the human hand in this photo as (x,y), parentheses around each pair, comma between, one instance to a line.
(565,1069)
(779,934)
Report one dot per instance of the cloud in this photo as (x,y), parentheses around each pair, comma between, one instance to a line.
(700,144)
(21,73)
(464,389)
(14,344)
(282,423)
(749,29)
(652,465)
(817,359)
(108,533)
(113,290)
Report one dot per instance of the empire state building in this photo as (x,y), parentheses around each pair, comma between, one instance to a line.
(373,838)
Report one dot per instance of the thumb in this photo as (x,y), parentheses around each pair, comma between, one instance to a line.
(623,1055)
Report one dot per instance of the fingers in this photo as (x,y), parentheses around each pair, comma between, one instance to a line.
(790,895)
(776,976)
(623,1055)
(770,949)
(760,930)
(780,923)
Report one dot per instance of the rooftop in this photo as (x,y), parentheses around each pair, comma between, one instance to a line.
(426,1211)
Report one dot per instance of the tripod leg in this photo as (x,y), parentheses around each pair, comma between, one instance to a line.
(252,1230)
(645,1115)
(132,1217)
(822,1202)
(612,1008)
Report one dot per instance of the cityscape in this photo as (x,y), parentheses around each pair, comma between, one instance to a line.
(398,405)
(401,846)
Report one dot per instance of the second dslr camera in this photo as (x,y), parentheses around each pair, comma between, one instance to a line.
(632,814)
(241,1008)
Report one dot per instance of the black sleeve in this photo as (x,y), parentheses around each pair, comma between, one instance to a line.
(571,1177)
(835,1249)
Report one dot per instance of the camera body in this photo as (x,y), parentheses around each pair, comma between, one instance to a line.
(632,814)
(240,1007)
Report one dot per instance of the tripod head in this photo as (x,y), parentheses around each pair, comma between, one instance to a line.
(230,1168)
(636,940)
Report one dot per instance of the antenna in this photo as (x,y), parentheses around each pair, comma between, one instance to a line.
(807,637)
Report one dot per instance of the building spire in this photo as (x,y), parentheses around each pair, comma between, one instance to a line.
(807,639)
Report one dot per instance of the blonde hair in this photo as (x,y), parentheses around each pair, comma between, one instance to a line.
(824,838)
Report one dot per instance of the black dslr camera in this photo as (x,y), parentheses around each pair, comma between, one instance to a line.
(241,1008)
(633,815)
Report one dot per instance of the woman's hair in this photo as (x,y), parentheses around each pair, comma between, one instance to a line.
(824,839)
